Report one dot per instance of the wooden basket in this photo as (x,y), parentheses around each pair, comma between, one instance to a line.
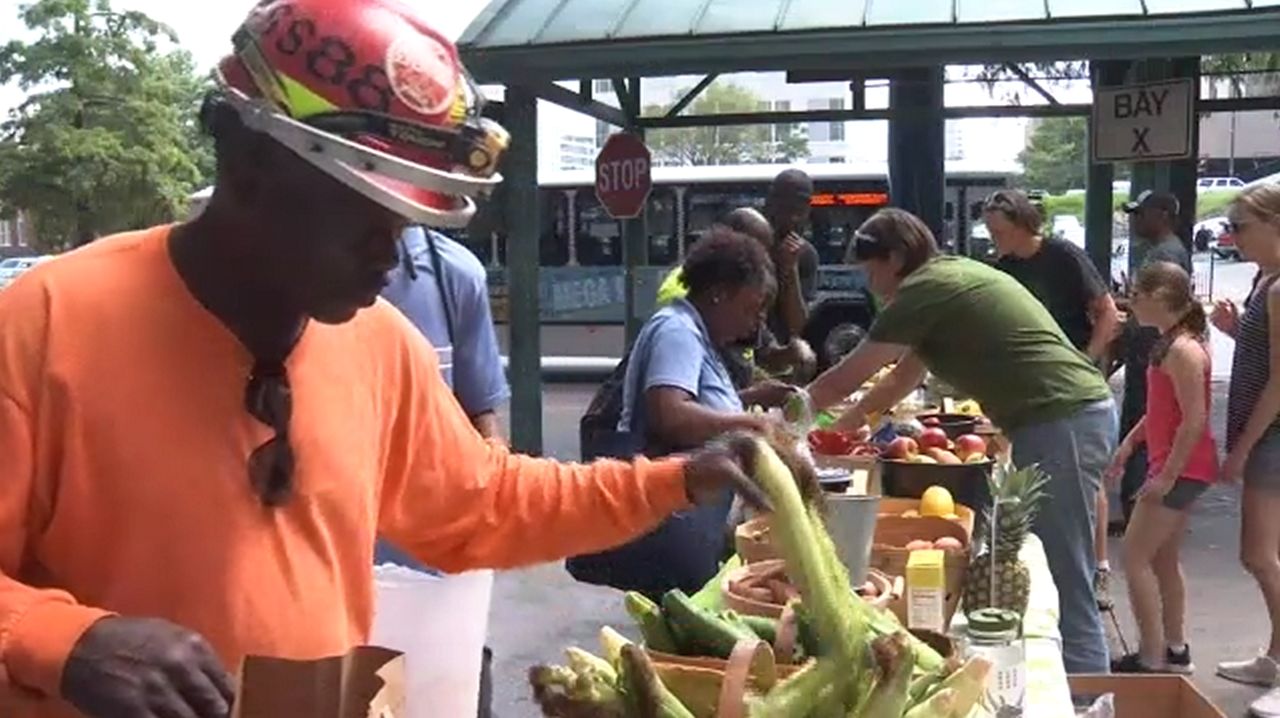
(752,543)
(895,507)
(891,589)
(889,556)
(718,688)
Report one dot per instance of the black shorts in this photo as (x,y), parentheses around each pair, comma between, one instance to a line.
(1184,493)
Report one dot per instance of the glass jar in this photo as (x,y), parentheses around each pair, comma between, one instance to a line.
(996,635)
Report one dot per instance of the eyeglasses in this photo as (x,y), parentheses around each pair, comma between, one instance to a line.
(269,399)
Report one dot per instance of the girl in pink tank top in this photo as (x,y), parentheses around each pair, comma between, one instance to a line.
(1183,462)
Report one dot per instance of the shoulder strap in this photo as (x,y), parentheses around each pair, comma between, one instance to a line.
(437,266)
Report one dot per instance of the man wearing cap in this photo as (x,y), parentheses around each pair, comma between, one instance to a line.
(265,416)
(1153,218)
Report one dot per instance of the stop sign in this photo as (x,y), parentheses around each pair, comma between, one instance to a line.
(622,175)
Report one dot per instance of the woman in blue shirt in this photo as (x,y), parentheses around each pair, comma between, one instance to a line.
(678,395)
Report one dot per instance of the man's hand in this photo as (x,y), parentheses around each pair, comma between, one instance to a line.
(145,668)
(725,464)
(788,254)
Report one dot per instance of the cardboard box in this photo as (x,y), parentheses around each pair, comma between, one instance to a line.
(1145,696)
(368,682)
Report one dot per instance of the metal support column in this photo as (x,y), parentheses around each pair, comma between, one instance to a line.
(635,254)
(520,212)
(1098,201)
(635,245)
(917,144)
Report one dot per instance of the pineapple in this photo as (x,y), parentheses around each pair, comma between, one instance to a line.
(1016,498)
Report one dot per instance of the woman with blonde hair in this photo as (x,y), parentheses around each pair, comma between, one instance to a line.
(1253,421)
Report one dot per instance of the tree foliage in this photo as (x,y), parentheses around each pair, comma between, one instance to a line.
(725,145)
(106,139)
(1057,154)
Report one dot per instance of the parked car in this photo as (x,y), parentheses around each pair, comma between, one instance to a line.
(1208,183)
(14,266)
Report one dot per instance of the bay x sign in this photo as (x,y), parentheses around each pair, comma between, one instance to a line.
(1143,123)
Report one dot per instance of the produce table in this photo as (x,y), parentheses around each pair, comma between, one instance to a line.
(1048,695)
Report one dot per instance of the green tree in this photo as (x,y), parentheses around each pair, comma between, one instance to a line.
(106,139)
(1057,153)
(725,145)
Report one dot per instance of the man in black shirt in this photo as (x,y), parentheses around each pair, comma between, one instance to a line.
(1063,278)
(796,261)
(1059,273)
(1153,217)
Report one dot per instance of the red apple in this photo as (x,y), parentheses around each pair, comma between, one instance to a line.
(903,447)
(970,444)
(933,439)
(931,421)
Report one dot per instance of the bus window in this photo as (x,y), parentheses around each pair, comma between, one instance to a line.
(706,205)
(553,240)
(599,235)
(661,224)
(831,225)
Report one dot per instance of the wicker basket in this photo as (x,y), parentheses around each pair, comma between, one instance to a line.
(895,508)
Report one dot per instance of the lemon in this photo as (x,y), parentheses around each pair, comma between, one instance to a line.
(937,501)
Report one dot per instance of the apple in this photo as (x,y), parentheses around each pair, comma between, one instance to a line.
(931,421)
(976,459)
(923,459)
(933,438)
(942,456)
(903,447)
(970,444)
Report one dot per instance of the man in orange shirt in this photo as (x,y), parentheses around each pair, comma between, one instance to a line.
(204,427)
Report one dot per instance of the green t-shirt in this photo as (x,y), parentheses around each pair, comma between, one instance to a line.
(979,330)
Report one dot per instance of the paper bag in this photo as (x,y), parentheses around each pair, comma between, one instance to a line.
(368,682)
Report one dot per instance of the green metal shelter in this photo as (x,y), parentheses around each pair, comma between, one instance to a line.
(530,45)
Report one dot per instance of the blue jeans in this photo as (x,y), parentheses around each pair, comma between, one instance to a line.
(1074,452)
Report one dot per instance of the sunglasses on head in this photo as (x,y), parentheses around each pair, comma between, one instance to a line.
(268,399)
(867,246)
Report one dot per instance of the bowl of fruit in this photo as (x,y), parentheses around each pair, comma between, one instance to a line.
(953,425)
(909,466)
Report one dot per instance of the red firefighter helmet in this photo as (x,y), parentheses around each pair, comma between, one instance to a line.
(368,92)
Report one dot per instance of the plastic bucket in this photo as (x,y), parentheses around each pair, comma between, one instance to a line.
(851,521)
(440,624)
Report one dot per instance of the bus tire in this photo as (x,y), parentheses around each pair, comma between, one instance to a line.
(836,327)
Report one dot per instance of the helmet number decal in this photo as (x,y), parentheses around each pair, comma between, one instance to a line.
(331,61)
(372,90)
(293,39)
(423,73)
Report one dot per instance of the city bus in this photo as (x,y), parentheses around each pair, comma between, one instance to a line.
(581,247)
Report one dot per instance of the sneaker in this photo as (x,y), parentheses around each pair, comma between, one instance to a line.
(1102,589)
(1268,706)
(1131,663)
(1260,671)
(1179,661)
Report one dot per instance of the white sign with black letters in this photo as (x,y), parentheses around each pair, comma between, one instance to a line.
(1143,123)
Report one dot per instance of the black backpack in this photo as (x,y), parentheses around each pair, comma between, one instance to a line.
(598,429)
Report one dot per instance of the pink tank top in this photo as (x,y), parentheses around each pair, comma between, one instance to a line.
(1163,418)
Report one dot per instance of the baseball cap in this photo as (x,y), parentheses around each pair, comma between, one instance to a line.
(1150,199)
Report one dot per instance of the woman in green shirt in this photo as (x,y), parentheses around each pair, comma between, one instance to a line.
(980,331)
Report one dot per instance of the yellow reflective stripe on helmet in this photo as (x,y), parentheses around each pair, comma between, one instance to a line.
(303,103)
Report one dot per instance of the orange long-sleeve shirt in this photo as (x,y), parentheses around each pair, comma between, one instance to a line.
(124,483)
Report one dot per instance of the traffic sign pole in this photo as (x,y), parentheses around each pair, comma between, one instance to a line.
(623,182)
